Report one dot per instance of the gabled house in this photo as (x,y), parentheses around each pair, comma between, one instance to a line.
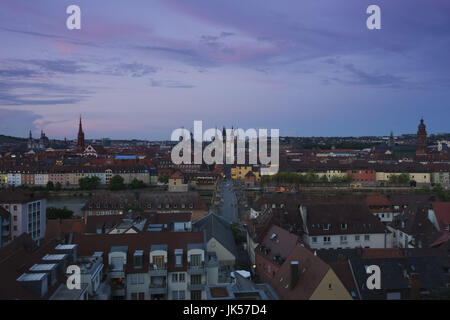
(273,250)
(304,276)
(219,238)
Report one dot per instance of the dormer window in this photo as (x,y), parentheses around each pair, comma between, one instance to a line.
(343,226)
(326,226)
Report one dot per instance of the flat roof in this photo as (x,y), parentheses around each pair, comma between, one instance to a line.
(66,246)
(64,293)
(54,257)
(43,267)
(31,277)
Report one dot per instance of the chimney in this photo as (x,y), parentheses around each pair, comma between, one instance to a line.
(359,251)
(294,274)
(414,282)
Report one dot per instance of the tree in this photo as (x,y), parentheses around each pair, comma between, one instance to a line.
(58,186)
(136,184)
(163,179)
(89,183)
(116,183)
(50,185)
(58,213)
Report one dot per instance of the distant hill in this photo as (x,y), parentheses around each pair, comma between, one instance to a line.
(9,139)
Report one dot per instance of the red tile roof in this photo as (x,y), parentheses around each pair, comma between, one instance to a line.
(314,271)
(377,200)
(442,212)
(88,244)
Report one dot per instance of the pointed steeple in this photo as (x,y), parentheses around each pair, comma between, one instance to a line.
(80,129)
(80,139)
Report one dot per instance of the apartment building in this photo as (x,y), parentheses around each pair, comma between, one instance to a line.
(28,213)
(380,206)
(5,226)
(345,226)
(107,203)
(154,265)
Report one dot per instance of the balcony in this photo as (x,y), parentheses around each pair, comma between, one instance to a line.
(192,286)
(155,270)
(117,274)
(118,288)
(158,288)
(196,269)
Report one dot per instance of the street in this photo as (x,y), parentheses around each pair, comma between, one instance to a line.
(229,208)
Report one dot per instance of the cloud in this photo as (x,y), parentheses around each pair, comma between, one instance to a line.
(135,69)
(51,37)
(170,84)
(16,93)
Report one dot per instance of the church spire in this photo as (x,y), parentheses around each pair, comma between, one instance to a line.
(80,139)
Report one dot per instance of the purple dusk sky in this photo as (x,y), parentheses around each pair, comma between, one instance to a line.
(139,69)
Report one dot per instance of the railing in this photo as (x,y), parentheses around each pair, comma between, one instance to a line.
(155,270)
(115,274)
(196,285)
(196,269)
(158,288)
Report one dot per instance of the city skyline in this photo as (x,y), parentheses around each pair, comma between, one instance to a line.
(140,71)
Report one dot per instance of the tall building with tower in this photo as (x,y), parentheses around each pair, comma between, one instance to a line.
(421,139)
(80,138)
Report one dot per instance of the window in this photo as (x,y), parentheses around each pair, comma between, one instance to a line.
(357,238)
(174,277)
(326,239)
(343,226)
(141,295)
(314,239)
(366,237)
(158,261)
(326,226)
(196,295)
(15,218)
(196,279)
(181,277)
(196,260)
(343,239)
(178,295)
(178,260)
(133,296)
